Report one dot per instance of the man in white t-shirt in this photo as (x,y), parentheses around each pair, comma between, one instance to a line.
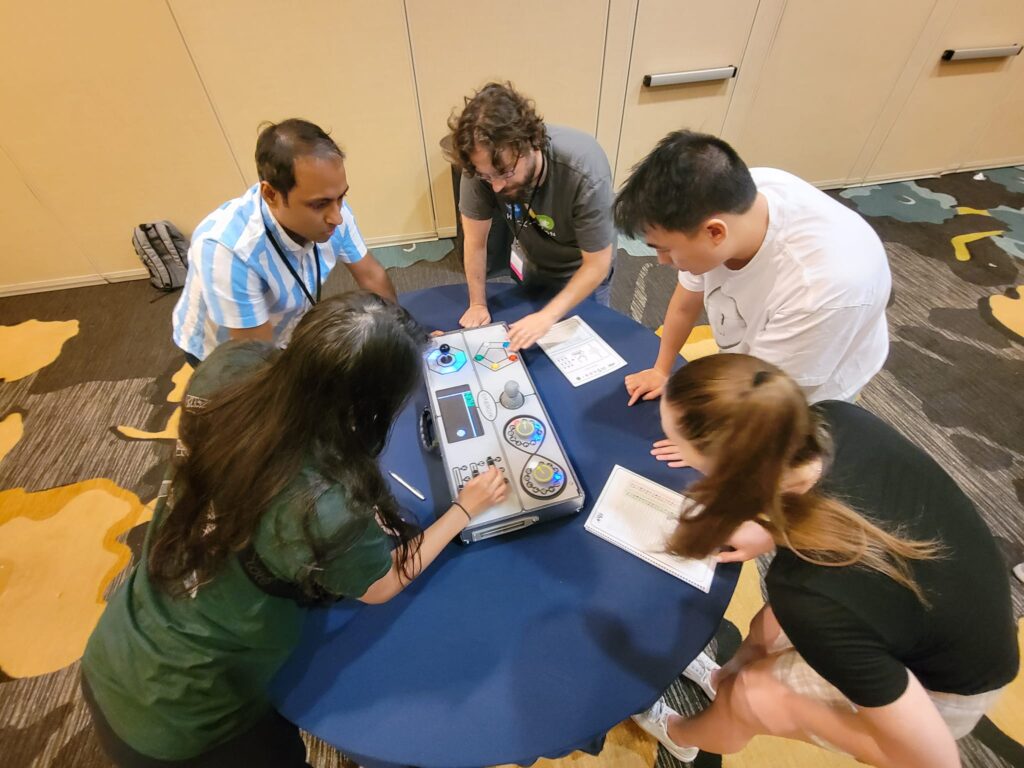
(784,272)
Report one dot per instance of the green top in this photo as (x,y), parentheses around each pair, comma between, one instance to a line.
(177,676)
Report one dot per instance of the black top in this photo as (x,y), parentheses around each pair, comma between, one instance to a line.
(860,630)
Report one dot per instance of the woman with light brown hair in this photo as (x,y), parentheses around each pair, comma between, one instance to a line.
(888,631)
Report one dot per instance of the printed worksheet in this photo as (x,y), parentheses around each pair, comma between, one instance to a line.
(638,515)
(578,352)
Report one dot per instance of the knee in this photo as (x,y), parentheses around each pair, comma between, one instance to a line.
(760,701)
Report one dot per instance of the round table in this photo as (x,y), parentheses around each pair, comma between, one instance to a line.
(528,645)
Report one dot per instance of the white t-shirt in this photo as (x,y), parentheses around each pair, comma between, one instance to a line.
(812,300)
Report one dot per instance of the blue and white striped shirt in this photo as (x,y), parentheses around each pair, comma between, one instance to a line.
(236,278)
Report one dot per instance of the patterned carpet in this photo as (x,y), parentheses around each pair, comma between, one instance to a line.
(90,384)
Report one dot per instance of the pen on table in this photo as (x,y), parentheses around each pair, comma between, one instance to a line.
(408,487)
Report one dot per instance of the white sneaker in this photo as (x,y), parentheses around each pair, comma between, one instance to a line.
(655,722)
(700,671)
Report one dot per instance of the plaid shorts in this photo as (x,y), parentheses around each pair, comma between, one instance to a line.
(961,713)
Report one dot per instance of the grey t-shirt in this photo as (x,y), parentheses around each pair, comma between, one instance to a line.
(571,211)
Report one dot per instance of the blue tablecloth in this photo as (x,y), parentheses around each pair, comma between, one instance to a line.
(525,646)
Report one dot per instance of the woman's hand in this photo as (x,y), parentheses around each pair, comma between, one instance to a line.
(666,450)
(647,384)
(483,492)
(748,541)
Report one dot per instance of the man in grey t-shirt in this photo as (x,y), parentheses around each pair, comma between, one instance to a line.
(555,187)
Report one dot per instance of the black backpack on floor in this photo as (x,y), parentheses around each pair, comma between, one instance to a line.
(164,252)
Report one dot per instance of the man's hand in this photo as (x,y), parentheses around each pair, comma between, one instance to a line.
(371,276)
(666,450)
(748,541)
(646,384)
(523,333)
(475,316)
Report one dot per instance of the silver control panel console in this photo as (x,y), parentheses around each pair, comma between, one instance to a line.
(487,412)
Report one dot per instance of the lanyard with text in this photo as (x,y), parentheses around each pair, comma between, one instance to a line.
(288,264)
(526,211)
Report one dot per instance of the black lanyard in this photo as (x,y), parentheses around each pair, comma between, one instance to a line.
(526,211)
(288,264)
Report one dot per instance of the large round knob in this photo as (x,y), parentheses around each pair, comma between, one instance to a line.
(543,473)
(524,428)
(445,349)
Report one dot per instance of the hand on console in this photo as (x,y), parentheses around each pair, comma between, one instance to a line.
(483,492)
(525,331)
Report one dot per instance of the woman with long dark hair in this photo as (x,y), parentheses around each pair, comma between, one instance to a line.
(888,631)
(276,502)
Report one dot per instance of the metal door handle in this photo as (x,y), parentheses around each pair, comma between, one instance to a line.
(692,76)
(995,52)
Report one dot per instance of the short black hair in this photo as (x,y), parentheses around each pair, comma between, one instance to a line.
(280,143)
(685,180)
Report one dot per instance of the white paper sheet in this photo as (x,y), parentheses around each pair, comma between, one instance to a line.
(638,515)
(578,352)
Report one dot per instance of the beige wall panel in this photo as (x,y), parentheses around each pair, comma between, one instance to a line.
(108,122)
(27,252)
(618,50)
(342,64)
(937,127)
(1001,142)
(823,84)
(552,52)
(921,54)
(674,36)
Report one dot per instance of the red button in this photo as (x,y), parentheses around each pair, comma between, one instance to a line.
(513,358)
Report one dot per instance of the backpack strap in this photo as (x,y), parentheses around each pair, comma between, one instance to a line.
(264,580)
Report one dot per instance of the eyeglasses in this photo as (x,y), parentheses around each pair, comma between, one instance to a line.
(500,176)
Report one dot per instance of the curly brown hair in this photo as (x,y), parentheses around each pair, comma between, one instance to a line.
(495,118)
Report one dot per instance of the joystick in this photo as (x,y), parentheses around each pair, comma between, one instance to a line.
(445,358)
(512,398)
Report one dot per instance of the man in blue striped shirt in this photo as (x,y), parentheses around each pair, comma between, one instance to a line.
(258,262)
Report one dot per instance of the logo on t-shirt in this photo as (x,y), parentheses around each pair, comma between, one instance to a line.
(726,321)
(546,222)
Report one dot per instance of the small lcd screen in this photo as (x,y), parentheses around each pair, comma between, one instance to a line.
(459,414)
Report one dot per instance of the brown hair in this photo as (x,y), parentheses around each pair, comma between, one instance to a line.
(753,424)
(495,118)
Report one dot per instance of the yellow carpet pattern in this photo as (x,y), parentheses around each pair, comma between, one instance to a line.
(170,431)
(58,555)
(11,430)
(27,347)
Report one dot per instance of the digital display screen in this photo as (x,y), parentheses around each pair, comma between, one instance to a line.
(459,414)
